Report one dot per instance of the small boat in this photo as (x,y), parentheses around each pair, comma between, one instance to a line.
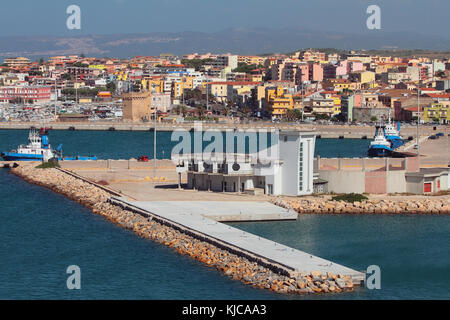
(38,149)
(380,146)
(393,135)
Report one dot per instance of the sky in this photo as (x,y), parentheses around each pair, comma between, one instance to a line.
(48,17)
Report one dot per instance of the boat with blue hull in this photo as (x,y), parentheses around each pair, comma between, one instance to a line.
(380,146)
(38,149)
(392,134)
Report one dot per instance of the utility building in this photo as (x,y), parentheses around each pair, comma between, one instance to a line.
(287,170)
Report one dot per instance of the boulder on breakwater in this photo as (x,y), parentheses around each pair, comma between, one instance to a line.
(375,206)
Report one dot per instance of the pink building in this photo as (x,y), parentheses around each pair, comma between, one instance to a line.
(357,100)
(303,73)
(30,94)
(315,72)
(356,66)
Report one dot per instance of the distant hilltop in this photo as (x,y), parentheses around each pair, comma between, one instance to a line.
(240,41)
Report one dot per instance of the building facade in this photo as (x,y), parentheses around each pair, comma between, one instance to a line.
(25,94)
(289,171)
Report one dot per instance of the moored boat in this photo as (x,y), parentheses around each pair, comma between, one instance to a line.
(380,146)
(392,134)
(38,149)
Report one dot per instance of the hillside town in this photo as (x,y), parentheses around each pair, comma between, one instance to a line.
(303,86)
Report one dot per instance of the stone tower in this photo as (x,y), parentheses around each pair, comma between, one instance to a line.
(136,106)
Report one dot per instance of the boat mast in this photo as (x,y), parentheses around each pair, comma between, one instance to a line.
(154,135)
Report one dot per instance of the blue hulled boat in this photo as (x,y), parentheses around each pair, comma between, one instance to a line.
(380,146)
(38,149)
(393,135)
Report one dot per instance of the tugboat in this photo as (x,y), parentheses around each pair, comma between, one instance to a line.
(38,149)
(393,135)
(380,146)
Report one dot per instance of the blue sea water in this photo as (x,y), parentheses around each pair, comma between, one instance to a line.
(132,144)
(42,233)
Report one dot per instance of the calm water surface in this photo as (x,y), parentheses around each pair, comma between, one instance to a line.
(42,233)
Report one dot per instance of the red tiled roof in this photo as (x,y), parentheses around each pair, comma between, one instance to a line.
(236,83)
(438,95)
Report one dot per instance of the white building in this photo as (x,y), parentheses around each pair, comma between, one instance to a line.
(160,101)
(287,170)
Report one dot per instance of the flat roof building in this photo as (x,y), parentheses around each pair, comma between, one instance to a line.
(286,168)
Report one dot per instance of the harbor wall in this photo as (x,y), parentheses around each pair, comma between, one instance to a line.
(365,175)
(405,205)
(322,131)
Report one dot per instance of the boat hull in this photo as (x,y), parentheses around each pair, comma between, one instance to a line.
(10,156)
(381,151)
(395,141)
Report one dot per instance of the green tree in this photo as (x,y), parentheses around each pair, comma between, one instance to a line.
(293,114)
(195,63)
(111,86)
(247,68)
(65,76)
(374,118)
(321,116)
(80,65)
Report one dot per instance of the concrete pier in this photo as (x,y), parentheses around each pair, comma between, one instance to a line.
(203,222)
(323,131)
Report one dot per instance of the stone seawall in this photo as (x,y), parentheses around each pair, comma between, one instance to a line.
(231,264)
(383,206)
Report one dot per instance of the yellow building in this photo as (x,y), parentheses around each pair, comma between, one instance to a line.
(179,87)
(256,60)
(218,90)
(97,66)
(337,104)
(279,101)
(437,111)
(363,77)
(153,85)
(257,78)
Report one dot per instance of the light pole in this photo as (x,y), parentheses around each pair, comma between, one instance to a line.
(303,104)
(418,121)
(56,97)
(154,138)
(207,96)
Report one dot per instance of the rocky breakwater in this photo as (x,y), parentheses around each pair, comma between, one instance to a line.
(232,265)
(371,206)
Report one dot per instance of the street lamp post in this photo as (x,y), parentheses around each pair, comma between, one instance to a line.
(56,97)
(154,140)
(207,97)
(303,103)
(418,121)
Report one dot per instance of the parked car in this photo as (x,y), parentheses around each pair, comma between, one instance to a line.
(143,159)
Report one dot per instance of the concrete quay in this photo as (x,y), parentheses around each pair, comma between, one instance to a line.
(322,131)
(191,218)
